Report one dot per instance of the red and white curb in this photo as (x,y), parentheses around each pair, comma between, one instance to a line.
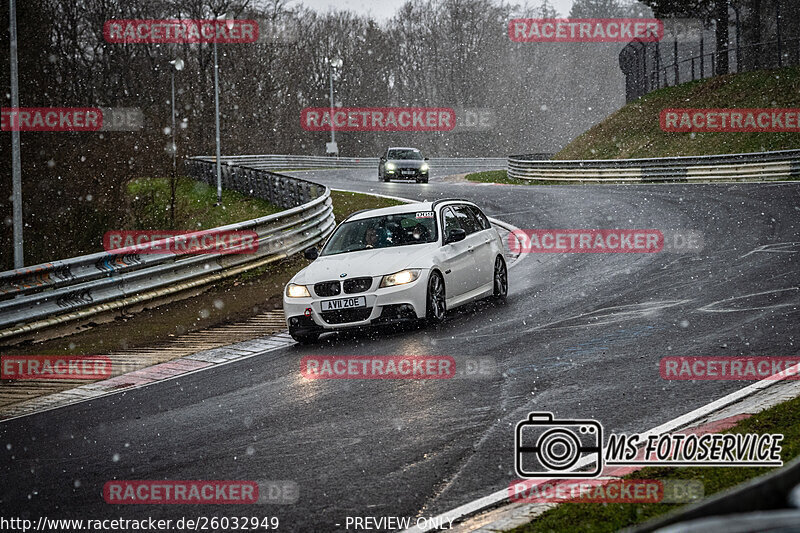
(152,374)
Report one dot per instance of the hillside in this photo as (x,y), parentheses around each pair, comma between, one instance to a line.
(634,130)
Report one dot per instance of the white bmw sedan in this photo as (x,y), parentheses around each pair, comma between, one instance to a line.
(399,263)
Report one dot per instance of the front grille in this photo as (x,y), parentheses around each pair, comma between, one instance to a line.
(327,288)
(395,312)
(344,316)
(302,321)
(352,286)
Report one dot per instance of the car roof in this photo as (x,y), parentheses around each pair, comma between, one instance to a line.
(403,208)
(402,148)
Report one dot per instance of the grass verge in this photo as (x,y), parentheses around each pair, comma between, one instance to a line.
(149,205)
(501,176)
(783,418)
(494,176)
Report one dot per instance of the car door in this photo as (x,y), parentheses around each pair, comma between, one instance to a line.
(479,247)
(487,247)
(457,260)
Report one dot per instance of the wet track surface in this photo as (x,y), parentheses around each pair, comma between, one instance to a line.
(581,335)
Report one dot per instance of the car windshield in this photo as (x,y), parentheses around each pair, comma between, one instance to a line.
(383,232)
(404,154)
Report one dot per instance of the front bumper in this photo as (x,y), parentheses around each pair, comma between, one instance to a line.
(384,306)
(407,173)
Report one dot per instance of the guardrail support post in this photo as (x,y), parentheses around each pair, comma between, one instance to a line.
(778,32)
(658,65)
(677,67)
(702,53)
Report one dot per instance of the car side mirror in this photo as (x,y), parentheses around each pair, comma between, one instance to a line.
(311,253)
(455,235)
(383,158)
(427,159)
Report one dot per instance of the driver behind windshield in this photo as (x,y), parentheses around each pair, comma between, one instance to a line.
(377,237)
(382,232)
(371,237)
(420,233)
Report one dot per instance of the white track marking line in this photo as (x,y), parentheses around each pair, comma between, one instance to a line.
(709,308)
(775,248)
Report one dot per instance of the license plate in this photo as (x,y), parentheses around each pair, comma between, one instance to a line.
(344,303)
(408,172)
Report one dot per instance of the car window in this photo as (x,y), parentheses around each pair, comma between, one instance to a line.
(404,154)
(383,232)
(484,222)
(467,219)
(450,221)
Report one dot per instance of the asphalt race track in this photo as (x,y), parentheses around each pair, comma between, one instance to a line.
(581,335)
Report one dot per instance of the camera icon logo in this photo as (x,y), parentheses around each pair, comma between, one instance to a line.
(545,447)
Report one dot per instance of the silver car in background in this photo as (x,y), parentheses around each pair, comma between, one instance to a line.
(403,163)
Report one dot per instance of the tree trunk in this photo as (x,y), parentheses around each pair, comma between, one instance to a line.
(756,28)
(722,19)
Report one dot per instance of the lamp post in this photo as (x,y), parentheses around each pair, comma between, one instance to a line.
(229,23)
(216,118)
(332,147)
(16,165)
(178,64)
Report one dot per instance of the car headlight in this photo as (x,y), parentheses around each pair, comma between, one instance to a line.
(400,278)
(424,167)
(390,166)
(297,291)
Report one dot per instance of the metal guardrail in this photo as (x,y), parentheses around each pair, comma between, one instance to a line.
(718,513)
(55,293)
(278,162)
(764,166)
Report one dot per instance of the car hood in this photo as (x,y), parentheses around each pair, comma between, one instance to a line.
(406,163)
(372,262)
